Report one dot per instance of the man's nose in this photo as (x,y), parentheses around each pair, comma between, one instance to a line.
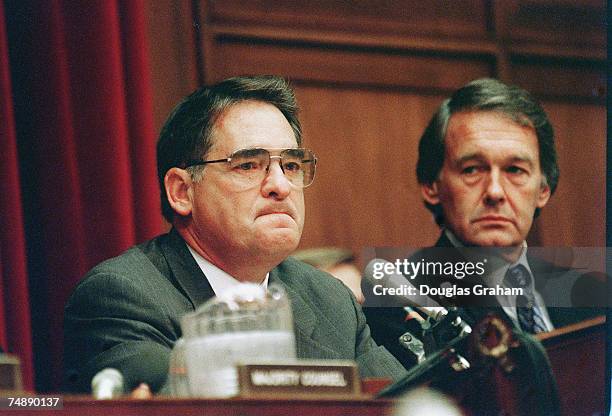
(276,184)
(494,192)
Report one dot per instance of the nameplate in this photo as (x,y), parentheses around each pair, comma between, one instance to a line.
(300,378)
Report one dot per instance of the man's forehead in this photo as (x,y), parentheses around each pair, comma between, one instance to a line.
(249,113)
(478,134)
(487,119)
(251,124)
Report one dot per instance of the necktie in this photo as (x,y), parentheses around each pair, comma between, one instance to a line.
(529,315)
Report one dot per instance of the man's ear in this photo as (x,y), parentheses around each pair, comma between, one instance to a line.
(543,196)
(178,183)
(430,193)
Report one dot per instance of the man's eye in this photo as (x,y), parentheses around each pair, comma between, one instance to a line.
(516,170)
(247,166)
(470,170)
(291,167)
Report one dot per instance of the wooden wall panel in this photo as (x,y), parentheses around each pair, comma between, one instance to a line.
(464,18)
(576,214)
(564,79)
(553,22)
(366,192)
(230,56)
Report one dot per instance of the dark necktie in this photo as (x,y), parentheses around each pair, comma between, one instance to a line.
(529,316)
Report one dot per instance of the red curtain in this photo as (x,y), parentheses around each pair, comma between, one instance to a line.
(86,145)
(15,328)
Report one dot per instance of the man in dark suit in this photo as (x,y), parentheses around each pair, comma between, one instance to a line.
(487,166)
(231,174)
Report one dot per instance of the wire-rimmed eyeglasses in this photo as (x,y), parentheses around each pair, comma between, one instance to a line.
(252,165)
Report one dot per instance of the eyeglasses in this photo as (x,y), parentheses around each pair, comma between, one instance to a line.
(252,165)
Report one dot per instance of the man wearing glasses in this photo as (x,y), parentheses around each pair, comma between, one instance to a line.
(232,172)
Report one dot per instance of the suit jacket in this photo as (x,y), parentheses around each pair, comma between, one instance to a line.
(125,314)
(388,323)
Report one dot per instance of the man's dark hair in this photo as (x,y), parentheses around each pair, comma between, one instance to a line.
(187,134)
(486,95)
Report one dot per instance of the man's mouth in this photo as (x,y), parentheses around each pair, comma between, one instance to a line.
(275,211)
(492,218)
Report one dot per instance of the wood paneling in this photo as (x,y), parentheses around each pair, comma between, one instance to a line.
(553,22)
(579,365)
(463,18)
(576,214)
(230,56)
(565,79)
(365,193)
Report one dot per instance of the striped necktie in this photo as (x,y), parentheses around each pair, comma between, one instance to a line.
(529,315)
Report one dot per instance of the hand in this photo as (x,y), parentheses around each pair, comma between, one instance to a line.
(143,391)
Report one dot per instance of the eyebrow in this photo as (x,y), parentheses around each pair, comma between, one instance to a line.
(251,151)
(469,157)
(476,156)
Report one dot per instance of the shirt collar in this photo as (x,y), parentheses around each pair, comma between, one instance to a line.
(219,280)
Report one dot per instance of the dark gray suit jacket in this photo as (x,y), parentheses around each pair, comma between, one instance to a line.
(125,314)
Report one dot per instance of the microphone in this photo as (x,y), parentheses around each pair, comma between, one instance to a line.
(107,384)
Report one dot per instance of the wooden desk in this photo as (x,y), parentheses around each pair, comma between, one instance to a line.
(85,406)
(577,355)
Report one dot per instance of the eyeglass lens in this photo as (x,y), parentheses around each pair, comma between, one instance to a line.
(298,165)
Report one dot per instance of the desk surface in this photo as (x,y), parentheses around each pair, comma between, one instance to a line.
(85,406)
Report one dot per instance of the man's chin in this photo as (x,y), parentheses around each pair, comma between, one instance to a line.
(279,240)
(494,239)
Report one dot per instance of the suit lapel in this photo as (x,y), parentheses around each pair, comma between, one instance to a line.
(443,241)
(185,269)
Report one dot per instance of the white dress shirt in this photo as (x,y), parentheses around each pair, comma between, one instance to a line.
(219,280)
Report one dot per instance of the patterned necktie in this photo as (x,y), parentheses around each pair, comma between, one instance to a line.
(529,315)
